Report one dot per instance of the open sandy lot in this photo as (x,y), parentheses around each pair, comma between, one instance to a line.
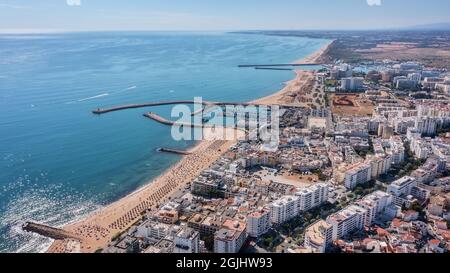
(351,105)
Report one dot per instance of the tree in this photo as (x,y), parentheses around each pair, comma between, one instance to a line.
(359,190)
(268,242)
(320,174)
(417,207)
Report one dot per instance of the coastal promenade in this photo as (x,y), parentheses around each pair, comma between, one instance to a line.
(98,228)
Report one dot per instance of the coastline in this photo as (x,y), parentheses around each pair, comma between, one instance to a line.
(302,79)
(98,228)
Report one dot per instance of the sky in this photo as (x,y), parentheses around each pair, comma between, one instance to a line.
(210,15)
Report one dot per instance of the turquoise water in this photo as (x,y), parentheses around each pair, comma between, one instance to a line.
(59,162)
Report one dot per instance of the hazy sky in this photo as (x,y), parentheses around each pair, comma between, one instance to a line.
(85,15)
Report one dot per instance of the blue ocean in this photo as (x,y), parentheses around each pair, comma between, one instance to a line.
(59,162)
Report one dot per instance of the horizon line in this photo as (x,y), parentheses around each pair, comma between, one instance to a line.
(56,31)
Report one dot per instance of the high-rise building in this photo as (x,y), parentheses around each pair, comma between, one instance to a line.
(153,230)
(417,77)
(380,165)
(346,221)
(361,214)
(375,204)
(426,126)
(312,197)
(352,84)
(318,236)
(341,71)
(358,174)
(387,76)
(304,199)
(231,237)
(258,223)
(284,209)
(186,240)
(404,83)
(402,186)
(401,189)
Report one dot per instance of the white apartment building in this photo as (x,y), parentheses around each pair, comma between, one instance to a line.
(360,214)
(304,199)
(258,223)
(371,210)
(343,70)
(361,173)
(417,77)
(346,221)
(396,150)
(421,147)
(318,236)
(231,237)
(426,126)
(284,209)
(375,203)
(381,199)
(436,110)
(374,124)
(380,165)
(312,197)
(186,240)
(402,82)
(401,188)
(153,230)
(352,84)
(401,125)
(412,133)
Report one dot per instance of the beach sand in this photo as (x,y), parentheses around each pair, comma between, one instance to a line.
(318,57)
(104,224)
(302,83)
(98,228)
(303,80)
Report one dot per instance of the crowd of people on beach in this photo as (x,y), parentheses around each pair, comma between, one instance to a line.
(189,168)
(106,224)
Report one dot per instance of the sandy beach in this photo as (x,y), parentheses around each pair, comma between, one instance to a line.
(100,227)
(302,83)
(303,80)
(318,57)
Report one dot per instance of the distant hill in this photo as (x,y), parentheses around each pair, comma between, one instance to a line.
(437,26)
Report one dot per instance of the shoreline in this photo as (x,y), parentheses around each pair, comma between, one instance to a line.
(100,226)
(302,78)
